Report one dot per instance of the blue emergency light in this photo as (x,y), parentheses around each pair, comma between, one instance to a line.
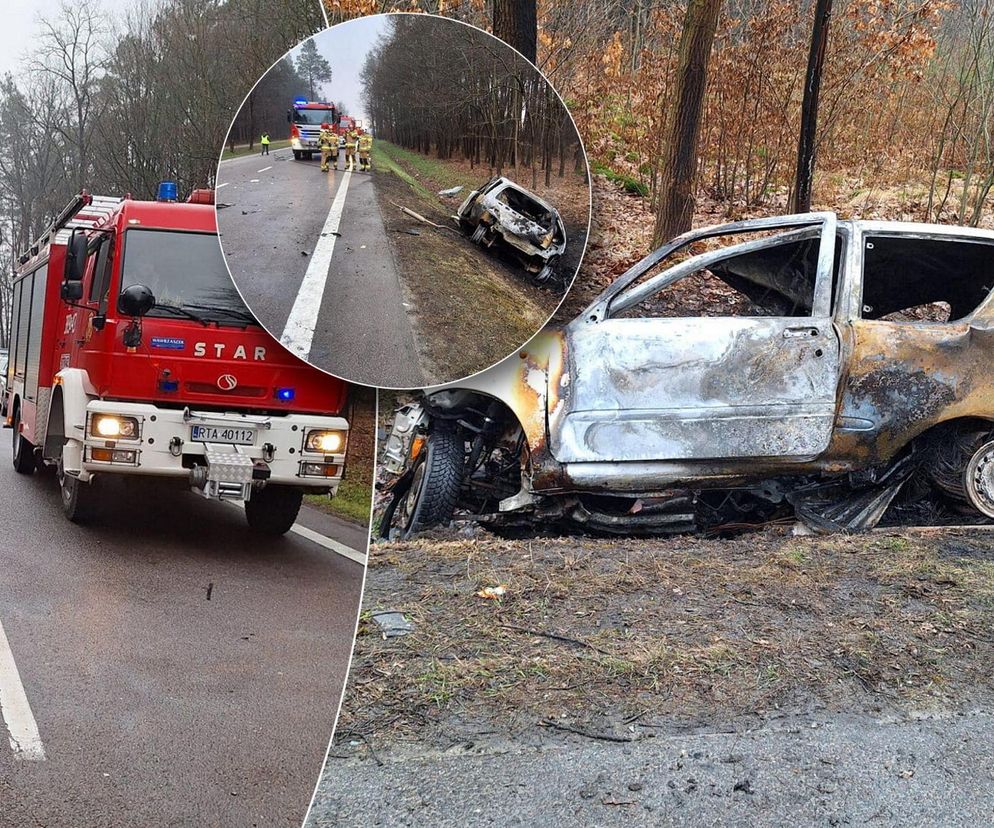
(299,101)
(168,191)
(285,394)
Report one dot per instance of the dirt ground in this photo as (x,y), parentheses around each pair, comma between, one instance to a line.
(620,639)
(449,280)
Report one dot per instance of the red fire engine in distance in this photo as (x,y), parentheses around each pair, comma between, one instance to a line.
(305,119)
(132,353)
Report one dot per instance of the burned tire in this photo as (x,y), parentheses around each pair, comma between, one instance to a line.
(479,233)
(435,485)
(272,510)
(23,455)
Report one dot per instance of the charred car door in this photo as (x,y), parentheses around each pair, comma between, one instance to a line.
(644,386)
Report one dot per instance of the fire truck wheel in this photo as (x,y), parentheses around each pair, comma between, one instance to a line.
(24,452)
(435,485)
(296,155)
(78,499)
(273,510)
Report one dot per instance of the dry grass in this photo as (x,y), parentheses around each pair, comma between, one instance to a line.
(632,634)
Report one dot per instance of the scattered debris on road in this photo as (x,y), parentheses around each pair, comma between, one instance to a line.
(452,191)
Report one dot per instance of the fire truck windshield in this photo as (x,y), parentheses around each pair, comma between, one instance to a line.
(186,274)
(313,117)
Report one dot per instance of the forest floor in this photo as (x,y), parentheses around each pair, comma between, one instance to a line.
(469,309)
(621,682)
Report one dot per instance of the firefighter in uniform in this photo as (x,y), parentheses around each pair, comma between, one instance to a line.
(350,141)
(328,143)
(365,146)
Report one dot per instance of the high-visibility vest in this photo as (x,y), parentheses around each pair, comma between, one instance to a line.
(365,142)
(265,140)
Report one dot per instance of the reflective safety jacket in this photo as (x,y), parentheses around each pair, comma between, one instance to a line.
(327,139)
(365,142)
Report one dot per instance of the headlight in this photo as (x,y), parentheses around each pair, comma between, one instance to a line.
(325,442)
(111,425)
(546,240)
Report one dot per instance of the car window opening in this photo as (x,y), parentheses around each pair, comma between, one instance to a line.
(525,206)
(925,280)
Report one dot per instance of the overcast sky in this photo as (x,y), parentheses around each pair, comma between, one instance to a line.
(345,47)
(21,24)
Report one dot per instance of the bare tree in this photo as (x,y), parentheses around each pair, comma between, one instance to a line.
(807,140)
(675,211)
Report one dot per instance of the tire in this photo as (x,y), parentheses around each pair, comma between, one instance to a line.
(79,500)
(296,155)
(308,155)
(479,233)
(543,275)
(435,487)
(273,509)
(23,454)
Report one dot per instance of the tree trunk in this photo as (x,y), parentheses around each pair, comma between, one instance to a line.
(516,23)
(676,200)
(804,175)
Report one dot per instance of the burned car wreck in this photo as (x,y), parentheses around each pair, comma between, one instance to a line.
(522,223)
(841,364)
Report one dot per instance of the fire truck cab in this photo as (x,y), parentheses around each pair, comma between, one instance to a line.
(305,119)
(132,353)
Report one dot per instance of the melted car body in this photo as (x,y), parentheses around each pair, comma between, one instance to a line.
(528,227)
(833,363)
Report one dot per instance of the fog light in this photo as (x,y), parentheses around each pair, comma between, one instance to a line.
(326,442)
(106,455)
(319,470)
(110,425)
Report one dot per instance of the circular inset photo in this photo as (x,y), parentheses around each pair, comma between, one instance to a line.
(403,200)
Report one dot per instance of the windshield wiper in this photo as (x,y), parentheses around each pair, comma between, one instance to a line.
(183,312)
(237,313)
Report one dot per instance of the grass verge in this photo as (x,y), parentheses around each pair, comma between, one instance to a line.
(351,502)
(244,149)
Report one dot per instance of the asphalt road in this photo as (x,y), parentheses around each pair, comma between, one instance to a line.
(309,254)
(811,771)
(170,667)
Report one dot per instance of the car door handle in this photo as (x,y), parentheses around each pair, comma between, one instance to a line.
(797,333)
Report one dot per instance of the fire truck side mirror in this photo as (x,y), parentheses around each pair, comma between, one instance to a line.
(75,257)
(135,300)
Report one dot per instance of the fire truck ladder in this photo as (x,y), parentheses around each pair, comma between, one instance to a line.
(84,212)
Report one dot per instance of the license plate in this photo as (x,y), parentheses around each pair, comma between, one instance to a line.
(222,434)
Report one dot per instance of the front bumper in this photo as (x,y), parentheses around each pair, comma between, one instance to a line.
(164,447)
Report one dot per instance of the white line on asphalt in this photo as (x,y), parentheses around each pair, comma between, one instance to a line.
(303,319)
(219,186)
(22,730)
(328,543)
(266,168)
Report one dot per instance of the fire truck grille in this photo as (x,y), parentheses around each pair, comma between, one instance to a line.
(255,391)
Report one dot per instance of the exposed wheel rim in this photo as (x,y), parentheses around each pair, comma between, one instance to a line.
(409,508)
(978,479)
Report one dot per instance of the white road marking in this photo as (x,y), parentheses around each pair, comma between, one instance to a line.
(219,186)
(266,168)
(22,730)
(328,543)
(303,319)
(254,181)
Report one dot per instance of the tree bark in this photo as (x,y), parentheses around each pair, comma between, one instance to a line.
(675,211)
(804,175)
(516,23)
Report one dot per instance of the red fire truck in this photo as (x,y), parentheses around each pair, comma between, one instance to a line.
(132,353)
(305,119)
